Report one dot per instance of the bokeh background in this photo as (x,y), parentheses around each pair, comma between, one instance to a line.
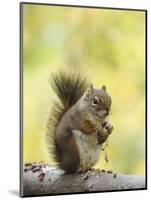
(107,45)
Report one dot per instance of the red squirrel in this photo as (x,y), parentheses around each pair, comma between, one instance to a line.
(78,124)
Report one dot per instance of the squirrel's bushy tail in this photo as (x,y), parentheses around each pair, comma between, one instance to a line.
(69,88)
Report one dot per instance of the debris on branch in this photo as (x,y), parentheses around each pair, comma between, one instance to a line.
(48,180)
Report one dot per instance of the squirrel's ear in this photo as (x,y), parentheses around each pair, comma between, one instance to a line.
(89,91)
(104,87)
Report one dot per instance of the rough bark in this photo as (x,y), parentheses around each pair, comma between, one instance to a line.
(56,181)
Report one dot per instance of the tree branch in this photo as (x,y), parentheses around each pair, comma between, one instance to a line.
(56,181)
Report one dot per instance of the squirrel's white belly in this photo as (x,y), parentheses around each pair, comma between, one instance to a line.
(88,146)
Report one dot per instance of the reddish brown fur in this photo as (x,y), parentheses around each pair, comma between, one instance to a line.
(72,112)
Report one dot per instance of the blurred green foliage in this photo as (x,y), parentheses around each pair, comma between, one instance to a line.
(107,45)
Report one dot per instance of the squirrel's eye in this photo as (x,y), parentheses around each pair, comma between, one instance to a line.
(95,101)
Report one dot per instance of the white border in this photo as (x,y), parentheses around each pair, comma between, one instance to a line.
(9,99)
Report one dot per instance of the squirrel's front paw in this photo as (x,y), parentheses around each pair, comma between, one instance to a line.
(107,128)
(104,132)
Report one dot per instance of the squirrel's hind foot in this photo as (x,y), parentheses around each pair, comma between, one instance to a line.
(84,170)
